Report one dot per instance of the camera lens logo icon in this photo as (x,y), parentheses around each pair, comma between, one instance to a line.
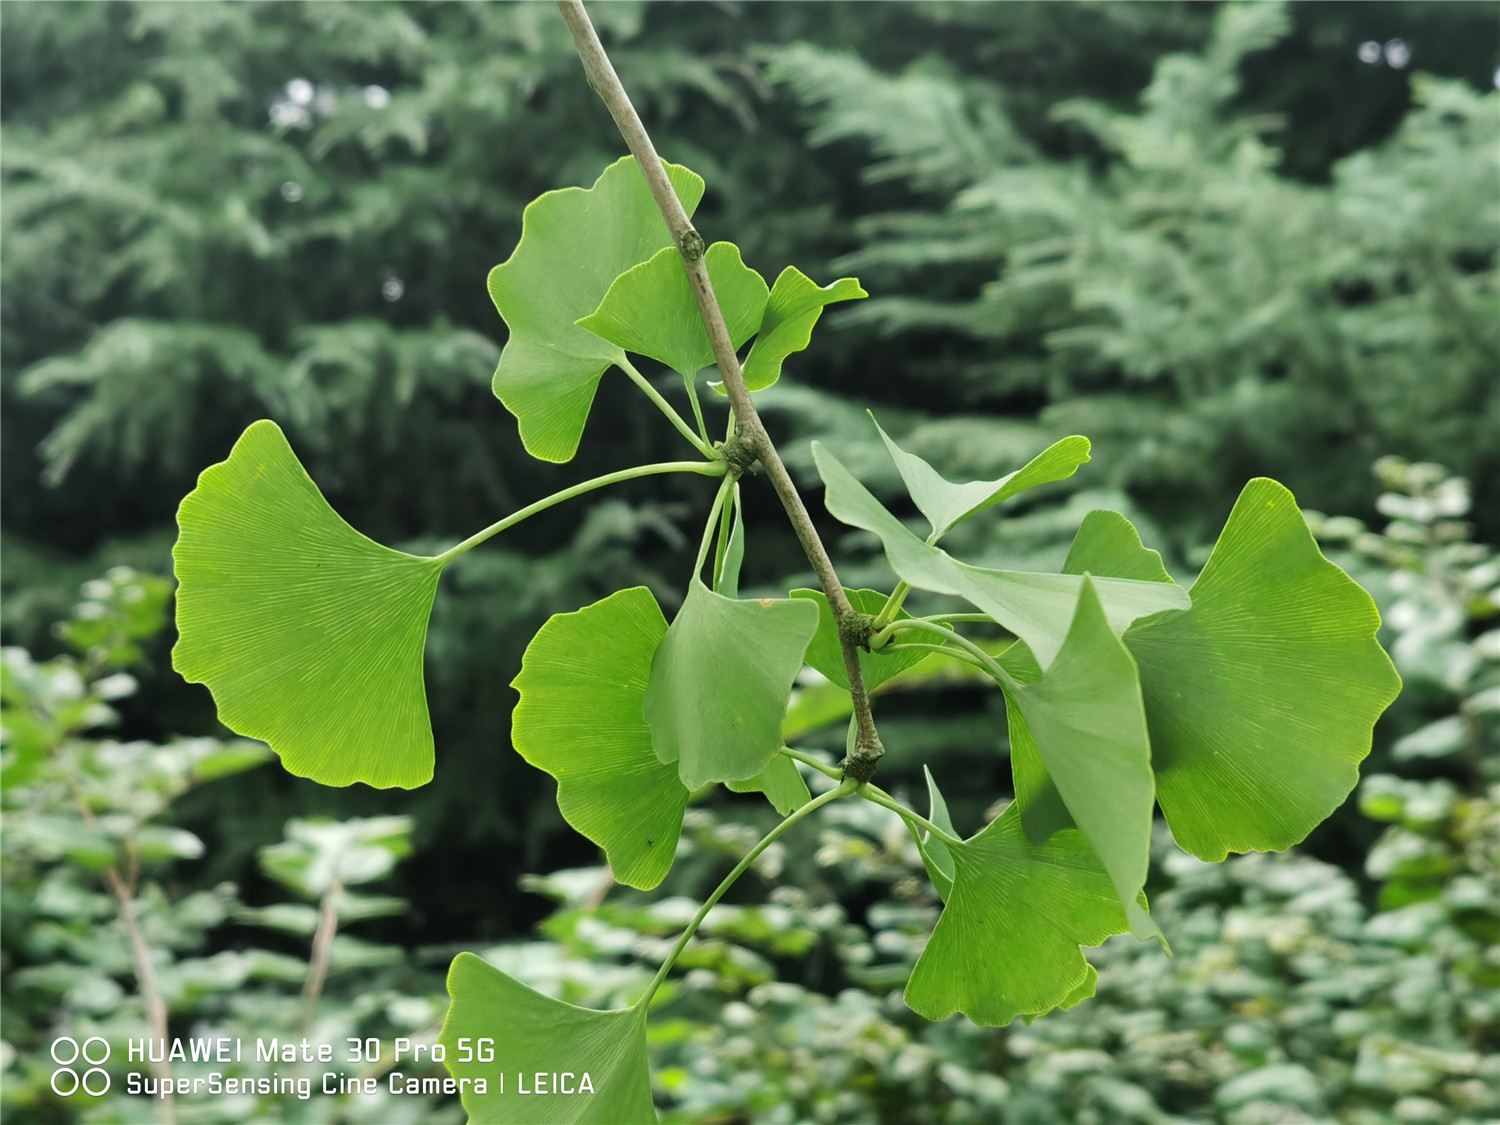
(66,1080)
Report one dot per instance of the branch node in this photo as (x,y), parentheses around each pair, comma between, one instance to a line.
(740,455)
(862,761)
(690,245)
(856,629)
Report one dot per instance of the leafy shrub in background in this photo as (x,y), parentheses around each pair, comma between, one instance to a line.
(85,815)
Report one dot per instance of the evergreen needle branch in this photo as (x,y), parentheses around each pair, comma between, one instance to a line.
(703,468)
(701,444)
(843,789)
(986,661)
(880,797)
(853,629)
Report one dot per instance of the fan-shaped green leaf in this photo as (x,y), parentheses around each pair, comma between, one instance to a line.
(946,504)
(1035,607)
(650,310)
(1108,546)
(780,782)
(542,1061)
(574,243)
(308,634)
(795,304)
(826,653)
(1086,719)
(720,683)
(935,854)
(1261,698)
(582,685)
(1007,943)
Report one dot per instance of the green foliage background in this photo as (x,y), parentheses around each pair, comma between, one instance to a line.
(1209,237)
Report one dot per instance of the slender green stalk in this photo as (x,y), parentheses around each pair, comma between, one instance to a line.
(721,544)
(725,487)
(888,611)
(702,468)
(843,789)
(692,391)
(701,444)
(880,797)
(944,650)
(955,618)
(986,661)
(809,760)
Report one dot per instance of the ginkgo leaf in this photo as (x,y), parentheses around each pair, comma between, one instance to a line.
(574,243)
(780,782)
(935,855)
(308,634)
(1035,607)
(1262,697)
(582,685)
(1108,545)
(1085,718)
(650,309)
(542,1061)
(826,653)
(946,504)
(1007,943)
(720,683)
(795,304)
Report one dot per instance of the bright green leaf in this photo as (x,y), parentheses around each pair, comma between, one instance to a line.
(537,1041)
(720,683)
(650,310)
(795,304)
(1108,545)
(780,782)
(826,653)
(582,685)
(1261,698)
(308,634)
(935,854)
(946,504)
(574,243)
(1035,607)
(1086,719)
(1007,943)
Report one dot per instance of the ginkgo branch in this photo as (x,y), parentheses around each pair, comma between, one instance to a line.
(601,74)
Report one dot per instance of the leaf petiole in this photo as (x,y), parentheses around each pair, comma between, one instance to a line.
(843,789)
(692,390)
(725,488)
(701,444)
(878,796)
(890,609)
(942,650)
(702,468)
(985,660)
(809,760)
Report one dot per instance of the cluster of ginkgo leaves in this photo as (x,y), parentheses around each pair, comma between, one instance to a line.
(1242,707)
